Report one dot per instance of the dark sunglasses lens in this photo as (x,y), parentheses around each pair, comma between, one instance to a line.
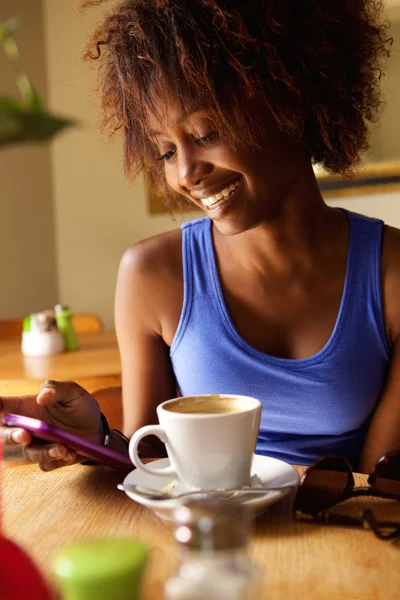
(324,485)
(387,474)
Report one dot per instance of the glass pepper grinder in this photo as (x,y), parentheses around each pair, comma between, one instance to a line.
(212,536)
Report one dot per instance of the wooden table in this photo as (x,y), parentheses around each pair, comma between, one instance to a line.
(96,364)
(45,512)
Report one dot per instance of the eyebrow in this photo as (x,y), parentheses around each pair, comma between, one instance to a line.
(183,117)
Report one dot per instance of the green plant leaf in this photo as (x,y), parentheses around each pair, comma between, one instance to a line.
(25,121)
(8,27)
(9,43)
(34,102)
(18,124)
(10,105)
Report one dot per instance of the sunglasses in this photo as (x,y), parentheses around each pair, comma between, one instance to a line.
(330,480)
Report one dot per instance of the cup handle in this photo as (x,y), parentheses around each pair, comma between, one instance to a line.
(158,431)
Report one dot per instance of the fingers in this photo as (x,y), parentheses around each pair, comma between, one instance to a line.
(11,436)
(71,458)
(48,456)
(51,456)
(49,393)
(17,404)
(58,391)
(37,453)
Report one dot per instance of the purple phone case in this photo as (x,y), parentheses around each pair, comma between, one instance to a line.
(42,430)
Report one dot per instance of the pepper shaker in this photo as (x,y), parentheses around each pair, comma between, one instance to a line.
(212,536)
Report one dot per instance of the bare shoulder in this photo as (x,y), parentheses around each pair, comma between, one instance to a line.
(390,273)
(156,258)
(150,282)
(391,241)
(391,253)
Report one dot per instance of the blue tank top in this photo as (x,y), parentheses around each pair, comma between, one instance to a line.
(313,406)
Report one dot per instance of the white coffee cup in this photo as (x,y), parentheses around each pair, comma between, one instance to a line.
(210,440)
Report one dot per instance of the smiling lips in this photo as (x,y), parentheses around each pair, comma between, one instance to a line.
(218,199)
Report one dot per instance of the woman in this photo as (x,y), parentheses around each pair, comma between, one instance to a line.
(226,105)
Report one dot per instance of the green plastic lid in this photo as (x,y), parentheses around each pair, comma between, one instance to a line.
(107,569)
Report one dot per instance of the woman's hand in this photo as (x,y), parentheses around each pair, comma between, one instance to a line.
(63,404)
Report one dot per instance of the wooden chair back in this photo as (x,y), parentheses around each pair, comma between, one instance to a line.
(10,328)
(87,323)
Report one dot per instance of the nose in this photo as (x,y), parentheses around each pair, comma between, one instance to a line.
(192,168)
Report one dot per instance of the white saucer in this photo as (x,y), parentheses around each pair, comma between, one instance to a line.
(272,472)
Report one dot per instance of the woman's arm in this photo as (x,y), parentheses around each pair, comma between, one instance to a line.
(147,377)
(384,432)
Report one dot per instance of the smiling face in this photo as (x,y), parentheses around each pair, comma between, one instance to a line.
(238,188)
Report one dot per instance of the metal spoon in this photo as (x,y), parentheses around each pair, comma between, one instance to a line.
(152,494)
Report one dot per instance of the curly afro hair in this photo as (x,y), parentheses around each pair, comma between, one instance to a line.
(314,64)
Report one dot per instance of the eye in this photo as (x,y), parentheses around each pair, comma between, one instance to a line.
(168,155)
(210,138)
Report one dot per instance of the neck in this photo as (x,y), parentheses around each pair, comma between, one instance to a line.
(296,232)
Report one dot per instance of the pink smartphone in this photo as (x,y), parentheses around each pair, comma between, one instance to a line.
(49,433)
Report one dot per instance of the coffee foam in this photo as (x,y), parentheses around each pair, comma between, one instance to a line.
(213,404)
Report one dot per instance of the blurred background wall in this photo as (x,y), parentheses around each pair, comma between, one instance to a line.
(97,214)
(67,212)
(385,138)
(27,234)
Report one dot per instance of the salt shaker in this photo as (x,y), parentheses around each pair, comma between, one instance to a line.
(212,536)
(41,336)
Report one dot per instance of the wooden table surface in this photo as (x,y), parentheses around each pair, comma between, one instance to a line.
(45,512)
(97,360)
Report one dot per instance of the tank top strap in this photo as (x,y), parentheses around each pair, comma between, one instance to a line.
(363,281)
(366,246)
(366,235)
(196,241)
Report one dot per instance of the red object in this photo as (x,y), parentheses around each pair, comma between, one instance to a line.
(20,579)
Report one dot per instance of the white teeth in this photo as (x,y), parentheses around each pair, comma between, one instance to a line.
(212,200)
